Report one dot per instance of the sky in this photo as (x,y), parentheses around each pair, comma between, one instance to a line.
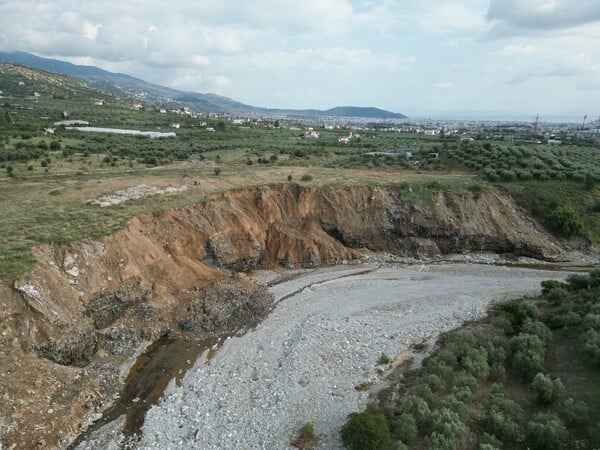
(424,58)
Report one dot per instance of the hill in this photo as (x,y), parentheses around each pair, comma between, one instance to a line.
(123,84)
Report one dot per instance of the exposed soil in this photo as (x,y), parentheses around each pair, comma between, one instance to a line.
(71,328)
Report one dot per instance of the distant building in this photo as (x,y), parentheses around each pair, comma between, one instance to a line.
(311,134)
(175,125)
(237,122)
(344,139)
(99,102)
(162,110)
(136,106)
(554,142)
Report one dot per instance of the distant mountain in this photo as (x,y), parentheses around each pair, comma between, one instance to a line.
(206,103)
(356,111)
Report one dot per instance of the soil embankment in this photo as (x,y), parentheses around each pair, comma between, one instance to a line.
(69,327)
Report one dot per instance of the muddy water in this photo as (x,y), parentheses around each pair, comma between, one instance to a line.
(164,360)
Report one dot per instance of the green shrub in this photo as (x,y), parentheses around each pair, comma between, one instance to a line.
(557,295)
(406,428)
(489,442)
(434,382)
(538,329)
(546,432)
(577,282)
(568,320)
(529,354)
(440,368)
(424,391)
(546,390)
(475,362)
(418,407)
(574,413)
(306,438)
(447,429)
(590,345)
(548,285)
(368,430)
(383,359)
(453,403)
(306,177)
(520,311)
(591,321)
(566,222)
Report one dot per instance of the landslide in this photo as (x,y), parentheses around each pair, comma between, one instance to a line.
(70,328)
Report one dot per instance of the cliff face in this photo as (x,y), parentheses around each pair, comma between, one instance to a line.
(85,307)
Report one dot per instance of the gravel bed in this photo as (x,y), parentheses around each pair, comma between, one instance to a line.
(303,362)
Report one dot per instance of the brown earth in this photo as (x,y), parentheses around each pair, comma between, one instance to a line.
(70,328)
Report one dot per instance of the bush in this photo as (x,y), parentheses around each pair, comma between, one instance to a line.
(306,177)
(574,413)
(548,285)
(434,382)
(557,295)
(590,345)
(529,354)
(217,171)
(448,427)
(489,442)
(591,322)
(368,430)
(406,428)
(418,407)
(520,311)
(538,329)
(423,391)
(306,437)
(503,415)
(569,319)
(546,432)
(475,362)
(547,391)
(383,359)
(578,282)
(566,222)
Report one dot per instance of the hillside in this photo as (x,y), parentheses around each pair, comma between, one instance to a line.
(205,103)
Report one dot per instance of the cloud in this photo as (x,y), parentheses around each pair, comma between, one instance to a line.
(509,16)
(519,49)
(446,85)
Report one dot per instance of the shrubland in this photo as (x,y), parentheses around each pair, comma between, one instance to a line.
(517,379)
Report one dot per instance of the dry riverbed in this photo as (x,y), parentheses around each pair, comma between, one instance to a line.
(324,338)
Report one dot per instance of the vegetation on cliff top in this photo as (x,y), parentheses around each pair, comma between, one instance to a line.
(525,376)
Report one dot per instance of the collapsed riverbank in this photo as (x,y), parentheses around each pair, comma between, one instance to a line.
(88,307)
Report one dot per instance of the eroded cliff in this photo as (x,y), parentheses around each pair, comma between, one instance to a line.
(86,307)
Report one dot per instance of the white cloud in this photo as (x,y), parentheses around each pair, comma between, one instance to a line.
(446,85)
(201,60)
(519,49)
(90,31)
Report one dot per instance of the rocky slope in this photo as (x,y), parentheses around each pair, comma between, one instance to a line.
(70,325)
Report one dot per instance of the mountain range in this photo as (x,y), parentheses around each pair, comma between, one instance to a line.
(123,84)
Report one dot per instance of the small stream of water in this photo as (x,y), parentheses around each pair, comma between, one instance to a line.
(164,360)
